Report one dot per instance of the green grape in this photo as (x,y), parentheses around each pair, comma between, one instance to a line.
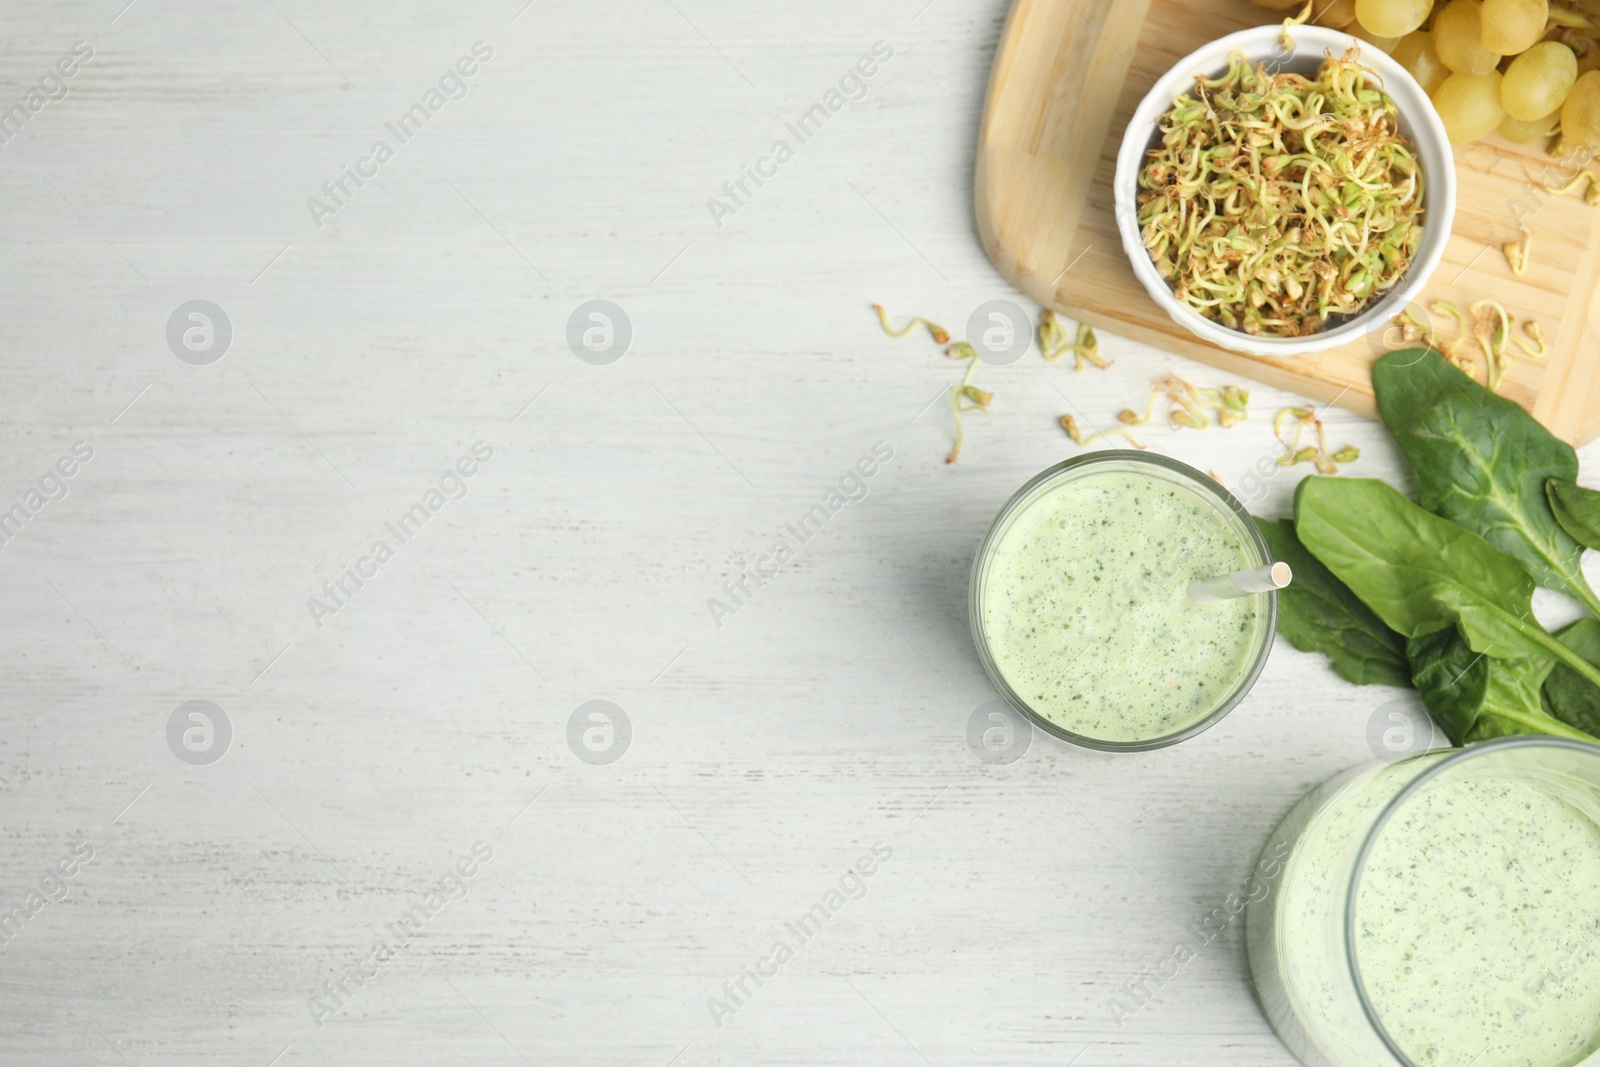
(1382,44)
(1580,115)
(1469,105)
(1336,13)
(1415,53)
(1538,80)
(1458,38)
(1521,131)
(1511,26)
(1392,18)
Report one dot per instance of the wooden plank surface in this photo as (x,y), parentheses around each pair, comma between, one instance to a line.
(1068,75)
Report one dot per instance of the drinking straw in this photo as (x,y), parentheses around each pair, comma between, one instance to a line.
(1240,583)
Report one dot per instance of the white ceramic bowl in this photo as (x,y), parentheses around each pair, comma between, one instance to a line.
(1418,121)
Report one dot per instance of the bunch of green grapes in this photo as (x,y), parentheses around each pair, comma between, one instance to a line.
(1527,68)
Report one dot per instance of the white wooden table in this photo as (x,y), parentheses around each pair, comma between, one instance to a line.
(429,710)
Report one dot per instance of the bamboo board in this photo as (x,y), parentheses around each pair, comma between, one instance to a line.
(1067,76)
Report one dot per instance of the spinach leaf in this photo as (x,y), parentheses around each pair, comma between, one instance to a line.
(1452,679)
(1482,461)
(1572,699)
(1577,510)
(1474,697)
(1319,613)
(1420,573)
(1512,704)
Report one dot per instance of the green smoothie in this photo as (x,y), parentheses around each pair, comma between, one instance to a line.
(1084,610)
(1478,927)
(1476,920)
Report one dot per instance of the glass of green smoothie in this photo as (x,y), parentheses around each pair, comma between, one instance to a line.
(1079,606)
(1440,910)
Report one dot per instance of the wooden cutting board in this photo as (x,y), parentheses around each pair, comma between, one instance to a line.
(1069,73)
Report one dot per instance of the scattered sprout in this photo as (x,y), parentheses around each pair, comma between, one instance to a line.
(1188,406)
(979,400)
(1133,418)
(1293,452)
(1490,325)
(1535,331)
(1518,252)
(978,396)
(1052,338)
(1412,330)
(1591,195)
(1324,462)
(1070,424)
(1087,348)
(1452,351)
(976,399)
(939,333)
(1053,342)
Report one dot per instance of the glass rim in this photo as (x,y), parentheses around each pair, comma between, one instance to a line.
(1208,486)
(1467,754)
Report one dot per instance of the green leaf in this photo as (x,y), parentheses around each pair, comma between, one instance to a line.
(1452,679)
(1512,705)
(1577,510)
(1474,697)
(1482,461)
(1319,613)
(1420,573)
(1573,699)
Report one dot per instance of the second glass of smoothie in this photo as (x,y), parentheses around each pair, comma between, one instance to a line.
(1443,911)
(1079,606)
